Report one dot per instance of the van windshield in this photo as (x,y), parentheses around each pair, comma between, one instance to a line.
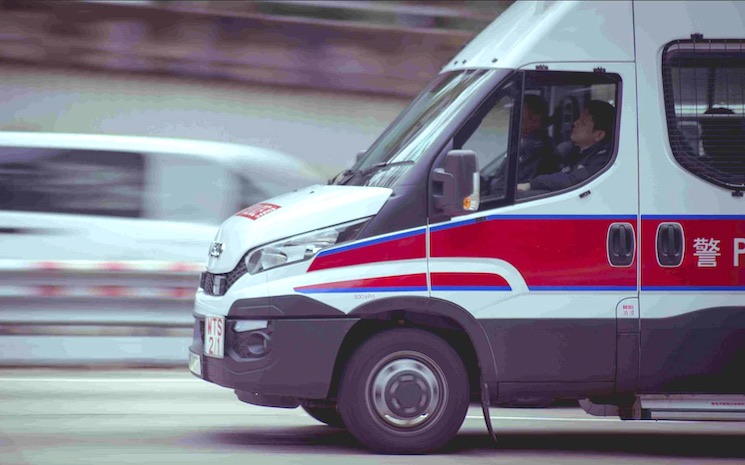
(404,142)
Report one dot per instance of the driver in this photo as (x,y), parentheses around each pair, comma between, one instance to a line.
(592,134)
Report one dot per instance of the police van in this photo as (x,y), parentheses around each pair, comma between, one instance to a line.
(438,271)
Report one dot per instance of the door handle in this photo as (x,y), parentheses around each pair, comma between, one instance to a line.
(621,244)
(670,244)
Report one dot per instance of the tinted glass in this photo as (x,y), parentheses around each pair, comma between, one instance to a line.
(704,84)
(86,182)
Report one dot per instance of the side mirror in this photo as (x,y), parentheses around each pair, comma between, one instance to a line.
(455,186)
(360,154)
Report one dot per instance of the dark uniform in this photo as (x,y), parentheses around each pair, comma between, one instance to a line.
(580,165)
(536,157)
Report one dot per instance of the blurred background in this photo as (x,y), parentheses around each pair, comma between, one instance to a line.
(275,74)
(215,105)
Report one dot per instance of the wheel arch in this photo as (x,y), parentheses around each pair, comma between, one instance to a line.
(449,321)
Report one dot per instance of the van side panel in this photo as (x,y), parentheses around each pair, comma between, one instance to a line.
(700,351)
(692,304)
(545,318)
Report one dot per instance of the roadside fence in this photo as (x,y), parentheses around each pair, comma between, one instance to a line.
(81,312)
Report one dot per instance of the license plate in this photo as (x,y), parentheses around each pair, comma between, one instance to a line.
(214,336)
(195,364)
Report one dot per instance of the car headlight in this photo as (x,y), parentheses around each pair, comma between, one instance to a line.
(301,247)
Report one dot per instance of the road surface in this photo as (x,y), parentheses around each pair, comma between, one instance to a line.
(167,416)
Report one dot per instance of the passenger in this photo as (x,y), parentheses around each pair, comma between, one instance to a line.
(592,134)
(536,153)
(722,139)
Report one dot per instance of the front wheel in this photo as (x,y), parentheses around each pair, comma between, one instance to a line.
(404,391)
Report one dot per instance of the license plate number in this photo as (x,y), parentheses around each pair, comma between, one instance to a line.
(214,336)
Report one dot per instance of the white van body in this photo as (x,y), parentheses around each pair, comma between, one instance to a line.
(387,301)
(110,198)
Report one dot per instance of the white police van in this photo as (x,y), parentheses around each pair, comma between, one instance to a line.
(430,275)
(105,197)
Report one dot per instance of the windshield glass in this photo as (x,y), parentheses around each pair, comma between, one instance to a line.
(402,144)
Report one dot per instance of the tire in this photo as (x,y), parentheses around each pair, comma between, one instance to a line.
(324,412)
(404,391)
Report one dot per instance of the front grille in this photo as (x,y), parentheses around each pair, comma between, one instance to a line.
(225,280)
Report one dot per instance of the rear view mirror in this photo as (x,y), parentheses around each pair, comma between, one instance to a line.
(455,186)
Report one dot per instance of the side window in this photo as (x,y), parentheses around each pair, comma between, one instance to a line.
(250,193)
(704,85)
(85,182)
(567,129)
(190,188)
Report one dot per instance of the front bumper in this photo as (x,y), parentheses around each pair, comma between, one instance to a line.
(298,363)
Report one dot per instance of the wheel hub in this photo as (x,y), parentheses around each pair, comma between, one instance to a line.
(406,392)
(407,395)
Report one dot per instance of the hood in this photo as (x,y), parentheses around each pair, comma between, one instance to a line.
(290,214)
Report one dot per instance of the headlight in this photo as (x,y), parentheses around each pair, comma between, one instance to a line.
(301,247)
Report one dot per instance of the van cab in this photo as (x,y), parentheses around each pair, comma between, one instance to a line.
(558,214)
(101,197)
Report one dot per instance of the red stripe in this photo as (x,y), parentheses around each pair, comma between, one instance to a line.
(468,279)
(181,267)
(181,292)
(49,266)
(386,281)
(689,273)
(547,252)
(113,266)
(406,248)
(111,291)
(50,291)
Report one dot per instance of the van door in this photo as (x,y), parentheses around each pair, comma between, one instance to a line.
(545,269)
(692,164)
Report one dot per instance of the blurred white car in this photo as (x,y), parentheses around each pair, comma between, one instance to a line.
(98,197)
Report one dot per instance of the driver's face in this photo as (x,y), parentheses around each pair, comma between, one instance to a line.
(584,133)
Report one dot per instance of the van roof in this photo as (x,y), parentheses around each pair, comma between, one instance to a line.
(529,33)
(229,153)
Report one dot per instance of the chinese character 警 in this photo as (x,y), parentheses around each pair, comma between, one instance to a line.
(707,251)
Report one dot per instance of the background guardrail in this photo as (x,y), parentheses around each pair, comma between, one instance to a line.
(94,312)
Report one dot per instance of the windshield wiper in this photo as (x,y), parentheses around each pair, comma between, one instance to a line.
(348,175)
(341,178)
(382,165)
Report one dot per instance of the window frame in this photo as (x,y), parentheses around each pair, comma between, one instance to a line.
(528,78)
(481,111)
(582,77)
(686,49)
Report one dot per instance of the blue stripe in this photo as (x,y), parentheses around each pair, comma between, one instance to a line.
(562,217)
(694,288)
(371,242)
(442,227)
(471,288)
(693,217)
(331,290)
(583,288)
(533,217)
